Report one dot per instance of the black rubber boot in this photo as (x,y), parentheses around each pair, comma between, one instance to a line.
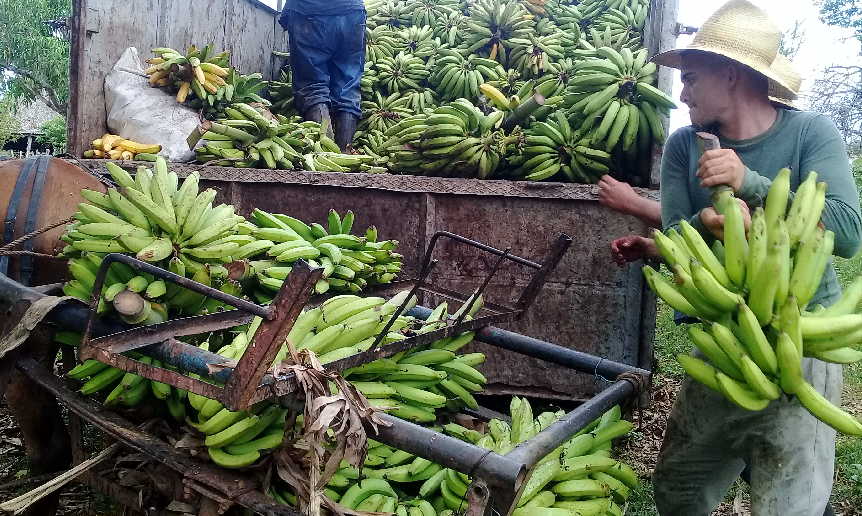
(345,128)
(320,113)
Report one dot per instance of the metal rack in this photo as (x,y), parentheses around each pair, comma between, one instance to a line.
(249,380)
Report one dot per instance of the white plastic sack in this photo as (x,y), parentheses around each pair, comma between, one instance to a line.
(145,114)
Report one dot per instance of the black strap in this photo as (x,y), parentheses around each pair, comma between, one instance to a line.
(12,209)
(26,268)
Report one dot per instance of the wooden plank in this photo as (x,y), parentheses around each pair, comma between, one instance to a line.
(249,39)
(104,30)
(660,35)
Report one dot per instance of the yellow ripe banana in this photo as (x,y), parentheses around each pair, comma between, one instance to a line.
(495,96)
(214,79)
(214,69)
(199,74)
(109,141)
(157,76)
(139,148)
(183,92)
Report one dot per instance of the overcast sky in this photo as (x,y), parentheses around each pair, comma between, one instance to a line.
(823,45)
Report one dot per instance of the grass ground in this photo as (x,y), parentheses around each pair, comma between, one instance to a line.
(670,340)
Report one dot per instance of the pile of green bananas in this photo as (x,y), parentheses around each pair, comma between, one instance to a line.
(281,93)
(552,147)
(340,327)
(350,263)
(251,137)
(578,478)
(614,102)
(154,218)
(751,295)
(493,25)
(460,77)
(455,139)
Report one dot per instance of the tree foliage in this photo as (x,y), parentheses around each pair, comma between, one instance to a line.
(54,134)
(8,122)
(34,51)
(843,13)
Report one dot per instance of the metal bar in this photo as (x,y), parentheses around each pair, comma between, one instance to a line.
(475,295)
(546,441)
(423,275)
(145,335)
(561,245)
(493,250)
(447,451)
(261,351)
(190,284)
(553,353)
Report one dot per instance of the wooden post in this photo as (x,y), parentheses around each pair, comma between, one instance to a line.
(29,145)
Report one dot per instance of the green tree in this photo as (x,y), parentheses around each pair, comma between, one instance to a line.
(54,134)
(34,50)
(8,122)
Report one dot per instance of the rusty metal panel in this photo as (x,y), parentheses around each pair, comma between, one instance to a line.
(588,304)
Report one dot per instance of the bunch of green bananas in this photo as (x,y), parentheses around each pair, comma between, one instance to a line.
(492,26)
(553,147)
(281,93)
(250,138)
(154,218)
(417,40)
(401,73)
(380,41)
(388,13)
(531,56)
(460,77)
(199,72)
(615,102)
(381,113)
(455,139)
(751,294)
(624,21)
(237,88)
(579,478)
(349,263)
(449,27)
(369,142)
(340,327)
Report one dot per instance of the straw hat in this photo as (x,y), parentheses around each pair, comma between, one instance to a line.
(742,32)
(784,68)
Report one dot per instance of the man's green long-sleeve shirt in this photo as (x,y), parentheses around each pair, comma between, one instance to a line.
(798,140)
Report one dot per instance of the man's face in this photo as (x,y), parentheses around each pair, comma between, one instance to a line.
(704,89)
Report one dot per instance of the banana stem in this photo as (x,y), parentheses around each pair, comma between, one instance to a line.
(129,303)
(520,113)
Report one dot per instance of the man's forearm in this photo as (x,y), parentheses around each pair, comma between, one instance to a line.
(647,210)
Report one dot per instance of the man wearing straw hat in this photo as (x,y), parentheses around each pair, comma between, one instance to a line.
(728,76)
(620,196)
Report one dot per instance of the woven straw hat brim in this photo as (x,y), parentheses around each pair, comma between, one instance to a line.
(778,86)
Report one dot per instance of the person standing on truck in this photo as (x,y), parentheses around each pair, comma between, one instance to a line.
(727,74)
(327,57)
